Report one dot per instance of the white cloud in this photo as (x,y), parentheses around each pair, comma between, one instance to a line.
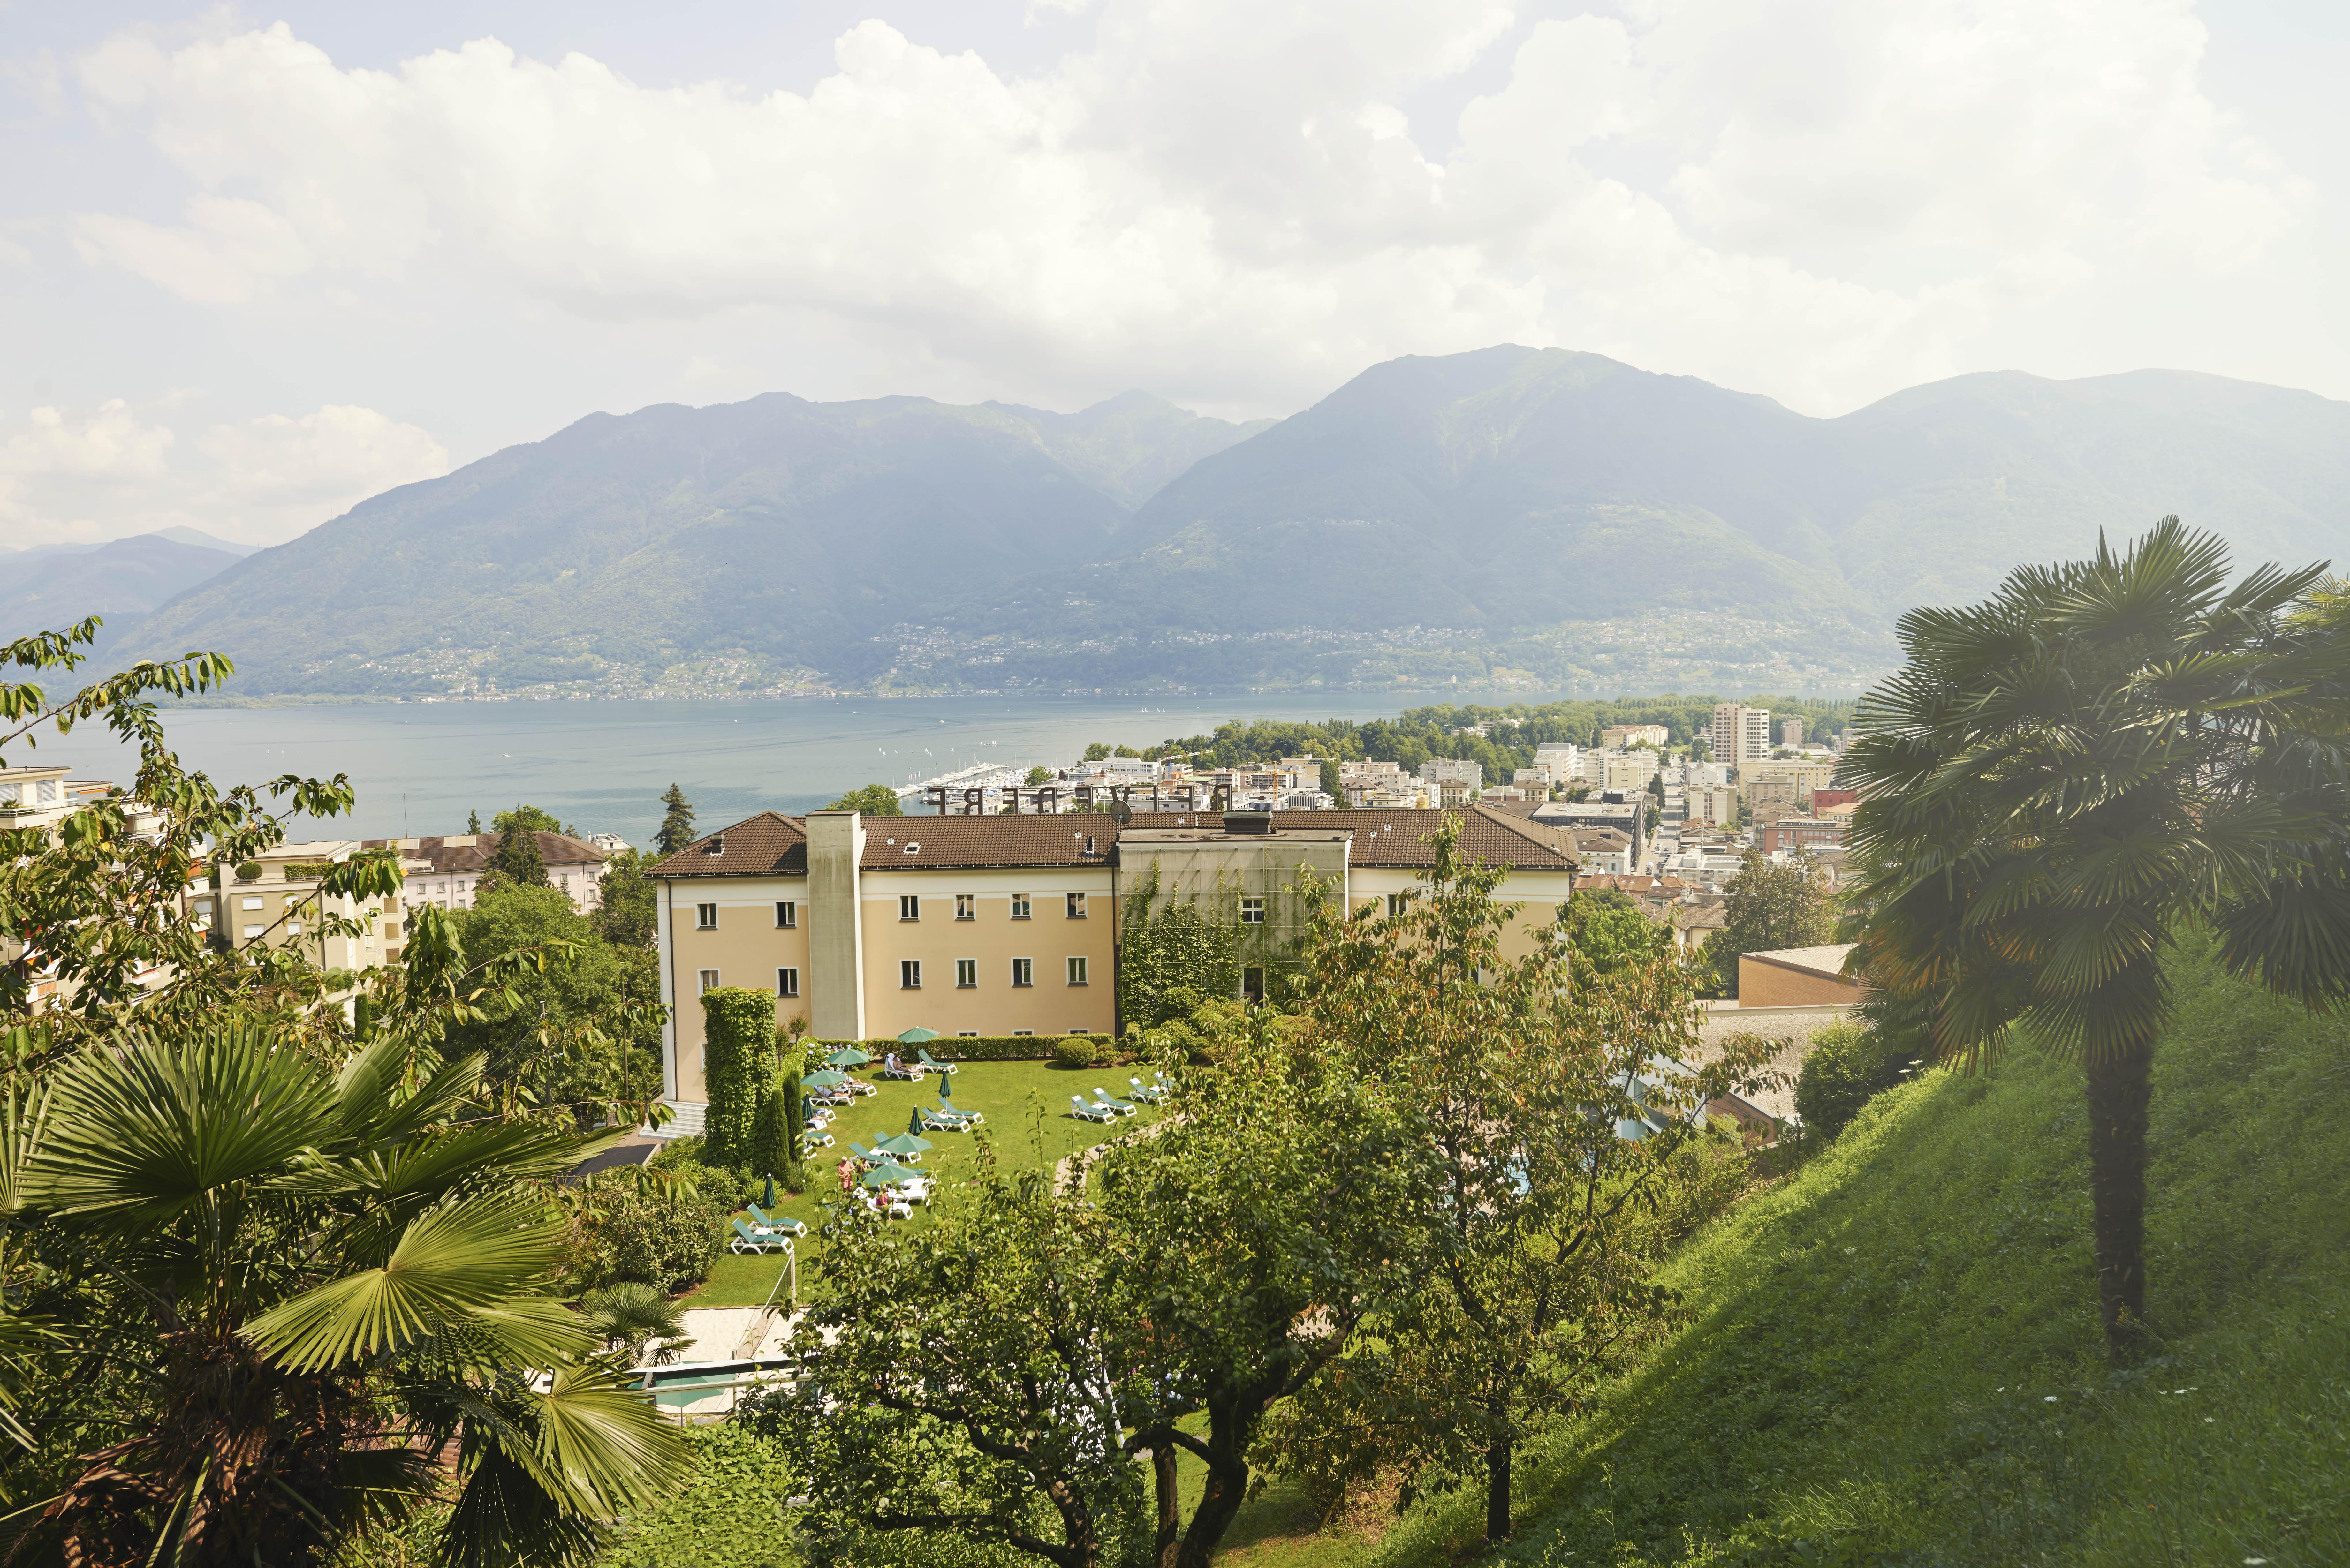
(104,473)
(1821,199)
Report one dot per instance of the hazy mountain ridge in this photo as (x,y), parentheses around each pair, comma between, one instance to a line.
(47,588)
(1432,518)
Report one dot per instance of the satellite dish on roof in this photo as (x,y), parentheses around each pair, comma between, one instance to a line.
(1120,812)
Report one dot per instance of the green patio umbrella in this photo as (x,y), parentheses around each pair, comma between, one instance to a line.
(917,1035)
(847,1056)
(903,1143)
(825,1080)
(889,1175)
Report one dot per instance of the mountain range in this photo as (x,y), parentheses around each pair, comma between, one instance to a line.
(1512,515)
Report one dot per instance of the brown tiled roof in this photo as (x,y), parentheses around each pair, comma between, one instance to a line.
(553,848)
(768,844)
(974,842)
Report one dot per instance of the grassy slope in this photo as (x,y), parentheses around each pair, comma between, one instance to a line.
(1026,1105)
(1895,1359)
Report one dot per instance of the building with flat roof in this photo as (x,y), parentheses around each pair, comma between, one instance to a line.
(867,927)
(1797,977)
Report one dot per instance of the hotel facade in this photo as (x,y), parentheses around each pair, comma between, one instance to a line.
(866,927)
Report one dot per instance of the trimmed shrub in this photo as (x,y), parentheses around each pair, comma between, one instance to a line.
(772,1145)
(248,870)
(1074,1051)
(1848,1065)
(964,1047)
(738,1033)
(668,1239)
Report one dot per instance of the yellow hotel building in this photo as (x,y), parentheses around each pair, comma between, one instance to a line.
(868,927)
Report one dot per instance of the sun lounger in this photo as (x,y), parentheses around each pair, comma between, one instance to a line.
(910,1072)
(749,1240)
(929,1063)
(814,1140)
(890,1204)
(859,1086)
(1101,1098)
(1147,1093)
(915,1192)
(969,1118)
(1086,1110)
(767,1224)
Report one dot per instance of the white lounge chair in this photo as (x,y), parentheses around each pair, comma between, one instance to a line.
(1101,1098)
(1086,1110)
(749,1240)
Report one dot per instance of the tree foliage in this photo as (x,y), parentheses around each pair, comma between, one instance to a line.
(516,862)
(1768,907)
(268,1264)
(530,818)
(676,830)
(1170,956)
(1558,1118)
(872,800)
(626,909)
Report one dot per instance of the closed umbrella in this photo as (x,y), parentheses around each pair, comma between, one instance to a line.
(847,1056)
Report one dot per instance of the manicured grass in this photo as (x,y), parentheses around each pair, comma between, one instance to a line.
(1896,1358)
(1026,1105)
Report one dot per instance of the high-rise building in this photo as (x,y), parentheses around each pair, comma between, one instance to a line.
(1790,733)
(1740,735)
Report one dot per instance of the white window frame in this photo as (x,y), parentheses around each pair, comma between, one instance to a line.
(909,906)
(1024,973)
(1075,905)
(966,974)
(1020,907)
(910,974)
(966,906)
(1251,911)
(708,979)
(788,914)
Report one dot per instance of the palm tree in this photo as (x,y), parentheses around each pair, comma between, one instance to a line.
(315,1290)
(631,1315)
(2061,778)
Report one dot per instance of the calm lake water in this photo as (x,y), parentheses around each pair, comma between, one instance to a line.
(419,767)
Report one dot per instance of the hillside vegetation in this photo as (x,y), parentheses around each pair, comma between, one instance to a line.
(1896,1358)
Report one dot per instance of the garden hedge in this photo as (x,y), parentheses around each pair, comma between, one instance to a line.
(738,1033)
(963,1048)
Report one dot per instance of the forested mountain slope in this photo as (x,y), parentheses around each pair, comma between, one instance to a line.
(1508,510)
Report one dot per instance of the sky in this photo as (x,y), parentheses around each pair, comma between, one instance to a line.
(257,264)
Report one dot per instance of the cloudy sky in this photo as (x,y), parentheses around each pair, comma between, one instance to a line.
(257,264)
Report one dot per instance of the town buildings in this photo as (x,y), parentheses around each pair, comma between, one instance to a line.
(867,927)
(448,870)
(1618,737)
(274,901)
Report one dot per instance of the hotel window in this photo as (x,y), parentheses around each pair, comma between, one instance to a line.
(910,974)
(909,906)
(708,980)
(967,1033)
(966,906)
(1077,971)
(788,914)
(1024,972)
(1023,1032)
(966,974)
(1079,1029)
(293,928)
(705,916)
(1019,905)
(1397,903)
(787,983)
(1251,911)
(252,901)
(1077,906)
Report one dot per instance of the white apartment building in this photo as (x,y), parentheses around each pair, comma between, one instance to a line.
(1616,737)
(1454,770)
(1740,735)
(1627,770)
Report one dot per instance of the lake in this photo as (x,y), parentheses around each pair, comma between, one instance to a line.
(601,766)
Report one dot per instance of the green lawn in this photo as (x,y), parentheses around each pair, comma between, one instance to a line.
(1026,1105)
